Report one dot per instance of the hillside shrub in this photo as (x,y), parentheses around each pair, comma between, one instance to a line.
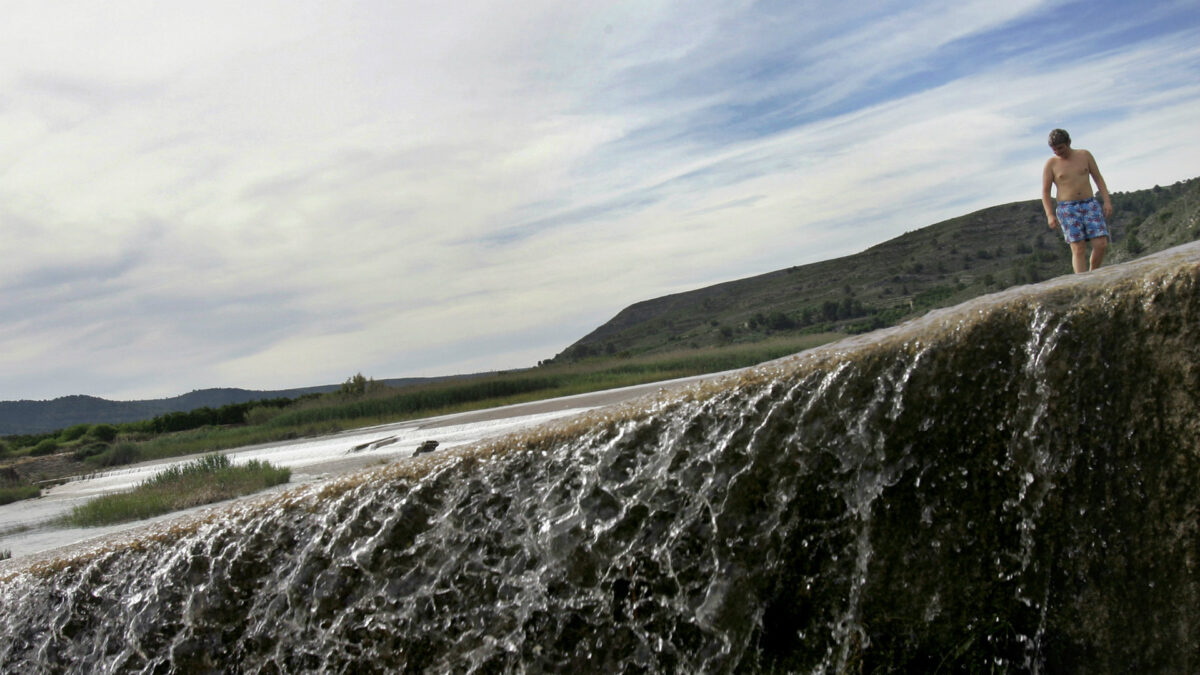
(262,414)
(1134,245)
(105,433)
(226,415)
(933,296)
(116,455)
(15,493)
(74,433)
(89,450)
(47,446)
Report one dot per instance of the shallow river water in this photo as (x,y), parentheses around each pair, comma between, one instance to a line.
(27,528)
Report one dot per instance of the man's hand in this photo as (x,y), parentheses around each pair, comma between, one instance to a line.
(1052,222)
(1107,209)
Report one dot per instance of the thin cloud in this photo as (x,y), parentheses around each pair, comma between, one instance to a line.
(270,195)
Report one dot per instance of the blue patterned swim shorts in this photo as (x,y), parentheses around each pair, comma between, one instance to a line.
(1081,220)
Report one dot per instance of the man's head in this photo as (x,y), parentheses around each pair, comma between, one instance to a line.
(1060,142)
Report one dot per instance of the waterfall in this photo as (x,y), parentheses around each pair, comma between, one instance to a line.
(1010,485)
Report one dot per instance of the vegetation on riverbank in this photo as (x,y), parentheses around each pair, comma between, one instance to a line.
(14,487)
(363,402)
(210,479)
(16,493)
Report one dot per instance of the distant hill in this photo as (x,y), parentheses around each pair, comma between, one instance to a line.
(935,266)
(32,417)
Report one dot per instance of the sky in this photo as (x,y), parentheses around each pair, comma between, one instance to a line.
(272,194)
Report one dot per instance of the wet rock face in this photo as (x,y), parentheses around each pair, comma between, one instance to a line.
(1008,486)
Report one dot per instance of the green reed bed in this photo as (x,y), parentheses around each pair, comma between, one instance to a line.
(541,383)
(548,382)
(418,400)
(212,439)
(210,479)
(15,493)
(331,413)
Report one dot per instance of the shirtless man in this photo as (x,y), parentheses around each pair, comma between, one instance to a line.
(1078,212)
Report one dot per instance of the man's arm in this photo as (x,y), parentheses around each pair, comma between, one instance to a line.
(1047,200)
(1100,186)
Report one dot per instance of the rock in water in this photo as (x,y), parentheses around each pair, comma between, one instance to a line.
(1010,485)
(427,446)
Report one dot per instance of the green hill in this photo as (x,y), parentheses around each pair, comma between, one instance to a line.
(935,266)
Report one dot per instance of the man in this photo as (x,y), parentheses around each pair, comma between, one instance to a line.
(1078,213)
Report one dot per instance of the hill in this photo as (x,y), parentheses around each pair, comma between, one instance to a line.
(935,266)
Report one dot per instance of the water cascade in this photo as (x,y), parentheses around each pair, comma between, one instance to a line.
(1010,485)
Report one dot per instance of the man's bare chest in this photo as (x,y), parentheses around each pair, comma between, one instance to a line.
(1069,170)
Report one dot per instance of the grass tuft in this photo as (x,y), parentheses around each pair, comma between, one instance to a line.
(15,493)
(211,478)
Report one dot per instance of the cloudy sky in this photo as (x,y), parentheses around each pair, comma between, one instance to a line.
(263,194)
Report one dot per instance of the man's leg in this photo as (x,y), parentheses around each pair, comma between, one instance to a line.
(1079,258)
(1099,246)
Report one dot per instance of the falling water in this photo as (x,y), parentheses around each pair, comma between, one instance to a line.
(1011,485)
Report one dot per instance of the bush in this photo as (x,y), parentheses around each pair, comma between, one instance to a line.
(226,415)
(121,453)
(48,446)
(1134,245)
(73,433)
(105,433)
(262,414)
(90,450)
(15,493)
(933,297)
(357,386)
